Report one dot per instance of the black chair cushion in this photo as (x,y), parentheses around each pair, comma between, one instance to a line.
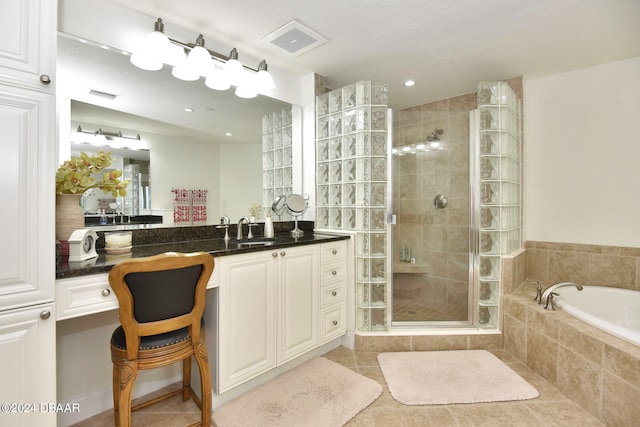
(118,339)
(159,295)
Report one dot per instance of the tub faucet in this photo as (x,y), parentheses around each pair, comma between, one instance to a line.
(240,221)
(548,294)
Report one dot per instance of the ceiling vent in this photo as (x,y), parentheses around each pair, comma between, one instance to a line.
(101,94)
(295,38)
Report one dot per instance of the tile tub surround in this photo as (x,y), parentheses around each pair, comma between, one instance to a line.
(593,265)
(596,370)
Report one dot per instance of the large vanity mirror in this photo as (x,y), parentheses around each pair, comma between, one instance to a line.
(191,137)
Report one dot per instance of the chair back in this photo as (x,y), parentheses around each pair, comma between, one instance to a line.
(160,294)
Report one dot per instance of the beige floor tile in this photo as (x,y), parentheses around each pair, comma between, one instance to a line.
(552,408)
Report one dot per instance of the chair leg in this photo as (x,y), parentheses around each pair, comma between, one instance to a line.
(127,377)
(186,378)
(116,392)
(202,359)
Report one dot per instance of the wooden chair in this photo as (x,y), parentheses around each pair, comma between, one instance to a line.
(162,299)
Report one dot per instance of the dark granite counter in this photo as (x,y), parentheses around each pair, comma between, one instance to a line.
(216,246)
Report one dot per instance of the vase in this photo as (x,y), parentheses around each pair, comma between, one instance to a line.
(69,215)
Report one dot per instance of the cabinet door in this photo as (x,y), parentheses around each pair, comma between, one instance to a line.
(27,41)
(27,357)
(298,293)
(247,319)
(27,253)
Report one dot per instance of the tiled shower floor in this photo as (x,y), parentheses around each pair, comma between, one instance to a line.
(412,309)
(413,303)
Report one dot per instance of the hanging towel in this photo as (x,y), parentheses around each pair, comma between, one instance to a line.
(181,206)
(199,207)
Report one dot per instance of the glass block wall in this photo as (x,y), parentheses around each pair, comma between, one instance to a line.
(500,187)
(277,158)
(351,144)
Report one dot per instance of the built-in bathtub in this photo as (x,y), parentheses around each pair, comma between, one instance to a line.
(613,310)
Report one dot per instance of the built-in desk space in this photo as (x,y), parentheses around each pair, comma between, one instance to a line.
(303,280)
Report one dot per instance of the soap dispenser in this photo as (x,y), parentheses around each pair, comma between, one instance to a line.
(268,227)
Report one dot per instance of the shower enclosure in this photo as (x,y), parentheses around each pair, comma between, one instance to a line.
(432,197)
(431,201)
(455,196)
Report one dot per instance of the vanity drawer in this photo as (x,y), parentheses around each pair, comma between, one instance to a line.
(333,323)
(332,273)
(334,252)
(84,295)
(331,295)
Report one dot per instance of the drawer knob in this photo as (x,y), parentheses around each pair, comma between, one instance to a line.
(335,323)
(45,315)
(106,292)
(283,253)
(334,272)
(45,79)
(335,251)
(274,254)
(334,293)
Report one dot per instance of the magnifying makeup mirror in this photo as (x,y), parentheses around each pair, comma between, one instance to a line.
(296,205)
(278,205)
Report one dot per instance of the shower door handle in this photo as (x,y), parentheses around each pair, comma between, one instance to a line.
(391,218)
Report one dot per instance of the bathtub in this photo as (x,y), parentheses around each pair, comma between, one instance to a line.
(614,310)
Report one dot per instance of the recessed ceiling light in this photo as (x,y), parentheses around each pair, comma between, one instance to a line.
(410,83)
(189,110)
(228,134)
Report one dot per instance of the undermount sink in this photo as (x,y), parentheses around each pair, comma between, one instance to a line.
(255,242)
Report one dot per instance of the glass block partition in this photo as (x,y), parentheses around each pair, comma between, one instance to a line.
(277,157)
(351,144)
(500,186)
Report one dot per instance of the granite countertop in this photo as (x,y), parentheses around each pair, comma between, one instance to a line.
(216,247)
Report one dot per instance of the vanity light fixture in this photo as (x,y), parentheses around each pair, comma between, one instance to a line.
(410,83)
(197,63)
(192,61)
(100,138)
(150,51)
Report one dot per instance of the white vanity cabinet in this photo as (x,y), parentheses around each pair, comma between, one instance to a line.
(267,312)
(333,301)
(27,256)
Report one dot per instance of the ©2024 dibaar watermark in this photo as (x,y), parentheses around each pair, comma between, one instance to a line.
(29,408)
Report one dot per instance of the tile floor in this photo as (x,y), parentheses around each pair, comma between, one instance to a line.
(551,408)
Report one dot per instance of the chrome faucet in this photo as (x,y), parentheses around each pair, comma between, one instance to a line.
(548,294)
(240,221)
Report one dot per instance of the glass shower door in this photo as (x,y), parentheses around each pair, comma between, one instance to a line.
(430,199)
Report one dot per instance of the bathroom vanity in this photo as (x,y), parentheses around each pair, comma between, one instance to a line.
(268,303)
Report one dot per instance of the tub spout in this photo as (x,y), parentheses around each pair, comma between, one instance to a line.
(548,294)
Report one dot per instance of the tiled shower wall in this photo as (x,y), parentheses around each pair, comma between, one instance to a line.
(351,176)
(438,238)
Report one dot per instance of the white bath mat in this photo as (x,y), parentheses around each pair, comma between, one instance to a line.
(445,377)
(318,393)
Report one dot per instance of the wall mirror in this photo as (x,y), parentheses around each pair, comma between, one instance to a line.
(192,136)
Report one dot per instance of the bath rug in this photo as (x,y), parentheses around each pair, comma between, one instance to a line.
(317,393)
(456,376)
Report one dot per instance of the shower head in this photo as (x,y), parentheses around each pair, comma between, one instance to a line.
(434,136)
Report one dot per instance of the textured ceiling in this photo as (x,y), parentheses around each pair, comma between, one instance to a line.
(446,46)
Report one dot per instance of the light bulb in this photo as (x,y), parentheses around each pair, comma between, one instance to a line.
(152,49)
(217,79)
